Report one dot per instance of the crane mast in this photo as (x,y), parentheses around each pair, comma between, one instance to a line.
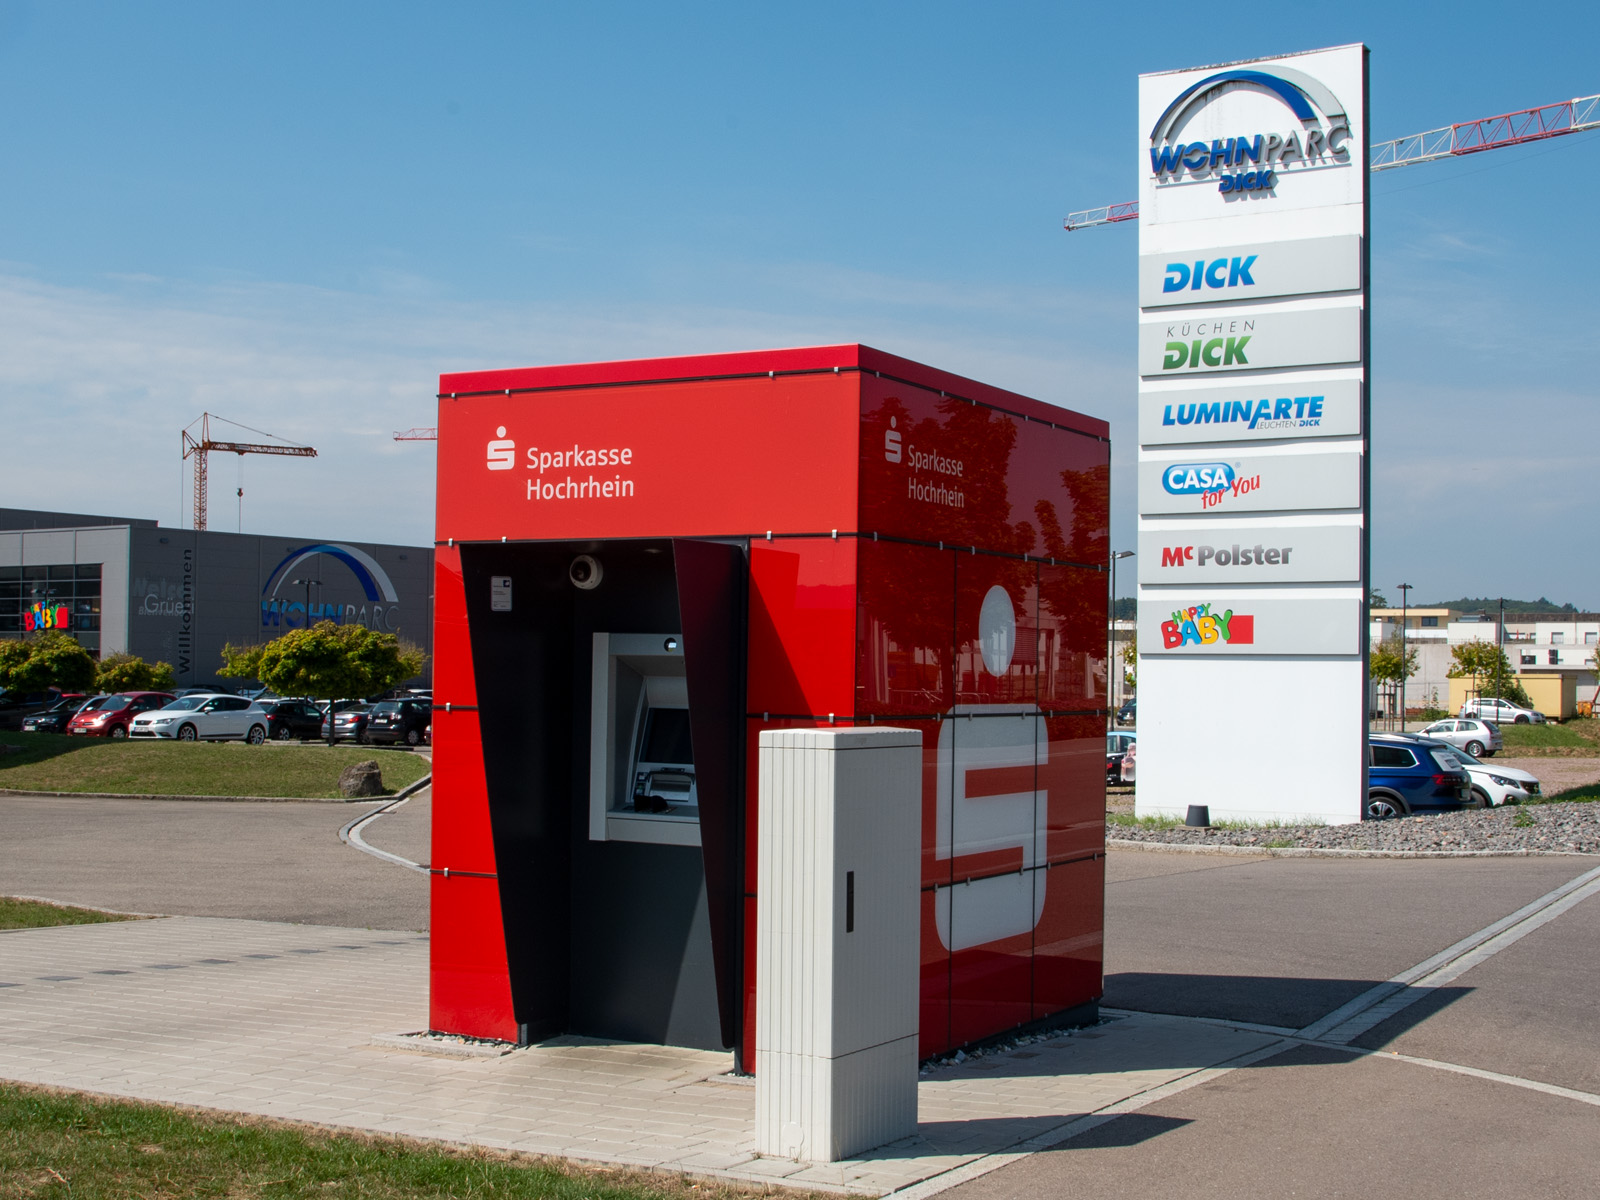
(199,447)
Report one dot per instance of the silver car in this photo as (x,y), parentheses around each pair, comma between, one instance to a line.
(1501,712)
(1477,738)
(205,716)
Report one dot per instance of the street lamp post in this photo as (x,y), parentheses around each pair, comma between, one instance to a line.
(308,583)
(1405,596)
(1113,668)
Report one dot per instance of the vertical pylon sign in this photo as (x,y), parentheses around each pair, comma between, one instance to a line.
(1253,438)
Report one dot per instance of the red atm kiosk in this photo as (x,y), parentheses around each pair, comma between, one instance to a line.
(641,565)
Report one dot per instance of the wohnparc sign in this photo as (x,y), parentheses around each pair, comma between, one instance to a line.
(1253,436)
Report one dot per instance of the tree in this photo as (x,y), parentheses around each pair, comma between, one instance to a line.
(1391,663)
(327,662)
(53,659)
(1377,600)
(130,673)
(1130,665)
(1485,664)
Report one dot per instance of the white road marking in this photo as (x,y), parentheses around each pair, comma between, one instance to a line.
(350,835)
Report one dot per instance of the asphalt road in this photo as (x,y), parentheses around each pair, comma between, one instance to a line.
(270,862)
(1284,941)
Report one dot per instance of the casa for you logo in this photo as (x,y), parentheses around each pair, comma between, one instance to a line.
(1250,162)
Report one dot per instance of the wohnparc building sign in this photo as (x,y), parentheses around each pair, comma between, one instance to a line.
(1253,434)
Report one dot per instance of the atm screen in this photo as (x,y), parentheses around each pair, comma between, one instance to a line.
(666,737)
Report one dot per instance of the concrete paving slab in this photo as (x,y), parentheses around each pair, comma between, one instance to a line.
(277,1020)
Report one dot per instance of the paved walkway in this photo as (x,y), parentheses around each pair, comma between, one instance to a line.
(278,1020)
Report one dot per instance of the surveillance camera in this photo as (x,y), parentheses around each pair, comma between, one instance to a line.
(585,572)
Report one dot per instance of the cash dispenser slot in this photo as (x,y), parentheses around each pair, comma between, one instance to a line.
(642,785)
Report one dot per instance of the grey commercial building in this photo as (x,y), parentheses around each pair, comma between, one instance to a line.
(179,595)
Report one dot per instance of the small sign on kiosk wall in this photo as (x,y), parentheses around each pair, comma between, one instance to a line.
(499,593)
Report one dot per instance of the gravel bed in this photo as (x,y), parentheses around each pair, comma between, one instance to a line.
(1552,828)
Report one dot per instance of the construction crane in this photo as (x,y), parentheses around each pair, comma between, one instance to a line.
(1453,141)
(205,444)
(419,433)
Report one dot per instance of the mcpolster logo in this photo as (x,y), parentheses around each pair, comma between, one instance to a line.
(1238,556)
(1201,626)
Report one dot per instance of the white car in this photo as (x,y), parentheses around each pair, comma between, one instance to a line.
(1501,712)
(1478,738)
(209,717)
(1498,785)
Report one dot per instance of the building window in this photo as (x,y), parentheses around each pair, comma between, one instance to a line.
(1430,622)
(1529,660)
(1557,637)
(1555,658)
(68,594)
(1590,637)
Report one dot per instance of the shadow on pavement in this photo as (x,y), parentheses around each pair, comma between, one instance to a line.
(1260,999)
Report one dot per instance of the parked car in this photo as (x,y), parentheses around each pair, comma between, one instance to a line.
(1491,785)
(1128,762)
(1478,738)
(1128,713)
(110,716)
(16,707)
(1117,745)
(1501,712)
(288,719)
(398,721)
(1406,774)
(54,719)
(207,717)
(349,722)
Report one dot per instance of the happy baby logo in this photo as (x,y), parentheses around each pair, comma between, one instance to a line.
(1200,626)
(45,616)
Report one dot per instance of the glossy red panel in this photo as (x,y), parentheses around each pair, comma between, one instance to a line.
(905,628)
(937,468)
(934,1019)
(989,801)
(469,986)
(1069,945)
(1072,638)
(802,626)
(461,834)
(452,665)
(991,968)
(997,635)
(1072,774)
(747,993)
(695,458)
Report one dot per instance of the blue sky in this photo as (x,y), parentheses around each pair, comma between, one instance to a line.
(297,215)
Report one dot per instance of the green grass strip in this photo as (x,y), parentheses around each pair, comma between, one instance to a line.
(56,1146)
(47,762)
(36,914)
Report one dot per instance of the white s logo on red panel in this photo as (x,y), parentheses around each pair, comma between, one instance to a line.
(502,451)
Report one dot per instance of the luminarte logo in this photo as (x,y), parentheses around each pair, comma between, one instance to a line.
(1200,626)
(1299,412)
(1250,162)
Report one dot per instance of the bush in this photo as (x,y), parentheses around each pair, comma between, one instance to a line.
(52,659)
(130,673)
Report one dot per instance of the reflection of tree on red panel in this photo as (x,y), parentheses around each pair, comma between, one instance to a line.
(1072,601)
(904,627)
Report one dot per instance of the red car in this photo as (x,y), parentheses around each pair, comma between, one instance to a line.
(110,716)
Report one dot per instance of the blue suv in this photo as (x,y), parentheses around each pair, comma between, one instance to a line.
(1409,774)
